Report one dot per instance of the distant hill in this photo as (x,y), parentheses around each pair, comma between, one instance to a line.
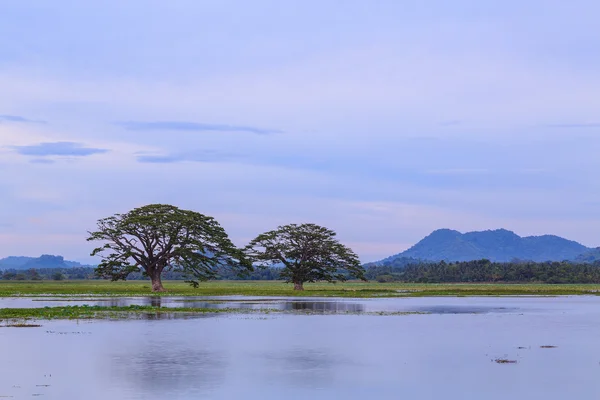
(44,261)
(589,256)
(498,245)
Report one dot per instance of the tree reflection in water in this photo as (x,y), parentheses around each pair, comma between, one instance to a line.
(153,368)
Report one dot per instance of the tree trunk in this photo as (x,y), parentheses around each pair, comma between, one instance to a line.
(298,286)
(157,283)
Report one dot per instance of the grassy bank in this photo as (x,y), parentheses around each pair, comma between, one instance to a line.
(276,288)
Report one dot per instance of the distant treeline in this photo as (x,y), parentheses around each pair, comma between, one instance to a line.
(487,271)
(78,273)
(38,274)
(405,270)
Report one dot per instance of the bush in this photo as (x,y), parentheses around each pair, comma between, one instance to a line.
(384,278)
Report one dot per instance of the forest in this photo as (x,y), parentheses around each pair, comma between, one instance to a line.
(480,271)
(405,270)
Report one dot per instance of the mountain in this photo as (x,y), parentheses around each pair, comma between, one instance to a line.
(589,256)
(14,262)
(44,261)
(495,245)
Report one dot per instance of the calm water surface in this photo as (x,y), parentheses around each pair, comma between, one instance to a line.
(447,354)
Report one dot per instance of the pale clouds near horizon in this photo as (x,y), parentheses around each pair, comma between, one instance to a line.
(382,120)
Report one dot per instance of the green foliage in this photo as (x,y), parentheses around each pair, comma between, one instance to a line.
(307,252)
(49,273)
(157,238)
(487,271)
(58,276)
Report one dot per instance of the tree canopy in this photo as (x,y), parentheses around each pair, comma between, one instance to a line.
(307,253)
(157,238)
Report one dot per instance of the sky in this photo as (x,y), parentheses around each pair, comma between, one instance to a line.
(382,120)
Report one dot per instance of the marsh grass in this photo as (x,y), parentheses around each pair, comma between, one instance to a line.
(20,325)
(18,317)
(100,312)
(101,288)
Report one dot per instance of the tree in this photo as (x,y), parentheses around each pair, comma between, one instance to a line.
(58,276)
(307,252)
(9,275)
(34,275)
(157,238)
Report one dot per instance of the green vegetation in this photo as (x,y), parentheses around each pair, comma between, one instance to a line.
(307,253)
(405,270)
(504,361)
(279,288)
(159,237)
(20,325)
(19,317)
(90,312)
(57,274)
(485,271)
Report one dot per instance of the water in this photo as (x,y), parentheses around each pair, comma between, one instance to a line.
(447,354)
(312,304)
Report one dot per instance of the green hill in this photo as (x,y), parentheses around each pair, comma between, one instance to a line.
(498,245)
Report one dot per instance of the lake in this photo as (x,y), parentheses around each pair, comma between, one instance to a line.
(338,350)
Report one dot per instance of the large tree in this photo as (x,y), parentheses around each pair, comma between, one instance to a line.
(307,253)
(159,237)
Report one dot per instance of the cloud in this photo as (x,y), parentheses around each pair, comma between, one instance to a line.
(192,127)
(198,156)
(58,149)
(160,159)
(575,125)
(458,171)
(42,161)
(16,118)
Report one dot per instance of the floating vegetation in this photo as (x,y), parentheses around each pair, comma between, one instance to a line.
(18,317)
(100,312)
(504,361)
(21,325)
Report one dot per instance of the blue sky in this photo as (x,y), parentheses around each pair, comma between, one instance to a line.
(383,120)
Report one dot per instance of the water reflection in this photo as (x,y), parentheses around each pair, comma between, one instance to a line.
(153,316)
(303,367)
(222,305)
(281,304)
(293,304)
(156,301)
(323,306)
(113,302)
(159,368)
(466,309)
